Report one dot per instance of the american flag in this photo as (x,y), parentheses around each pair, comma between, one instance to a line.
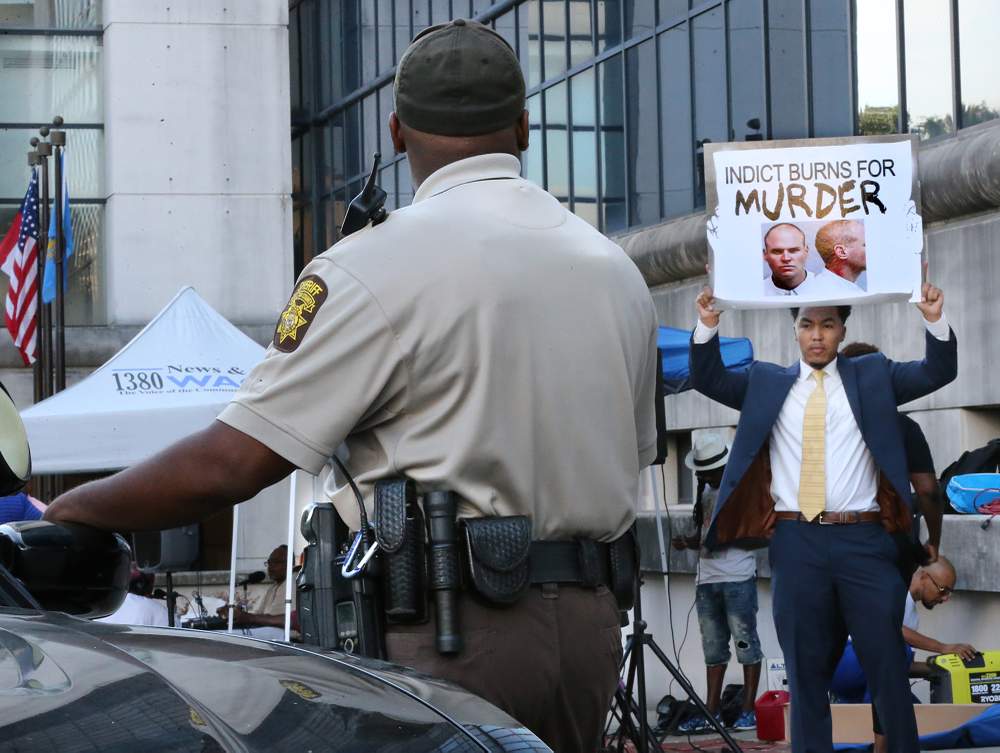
(19,261)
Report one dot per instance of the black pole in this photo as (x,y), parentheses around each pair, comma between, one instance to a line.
(44,149)
(59,141)
(171,600)
(44,309)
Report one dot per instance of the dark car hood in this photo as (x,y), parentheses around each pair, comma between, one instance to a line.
(68,684)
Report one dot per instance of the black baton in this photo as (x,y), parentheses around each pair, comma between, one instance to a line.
(445,576)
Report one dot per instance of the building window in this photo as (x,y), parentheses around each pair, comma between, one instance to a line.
(878,70)
(949,65)
(621,94)
(51,14)
(979,61)
(50,64)
(929,74)
(583,107)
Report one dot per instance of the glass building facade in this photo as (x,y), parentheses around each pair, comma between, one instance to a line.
(50,64)
(622,94)
(926,66)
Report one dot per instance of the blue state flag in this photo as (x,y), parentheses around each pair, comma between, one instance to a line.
(49,279)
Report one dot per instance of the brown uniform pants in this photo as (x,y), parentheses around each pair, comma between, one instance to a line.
(550,661)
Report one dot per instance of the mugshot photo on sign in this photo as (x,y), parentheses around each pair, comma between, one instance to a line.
(809,257)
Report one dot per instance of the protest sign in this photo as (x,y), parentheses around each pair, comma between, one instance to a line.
(817,221)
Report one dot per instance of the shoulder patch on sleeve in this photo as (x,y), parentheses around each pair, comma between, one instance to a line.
(299,313)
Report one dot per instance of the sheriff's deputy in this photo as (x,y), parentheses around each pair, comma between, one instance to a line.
(483,340)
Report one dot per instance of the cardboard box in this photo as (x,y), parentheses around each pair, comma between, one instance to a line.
(852,722)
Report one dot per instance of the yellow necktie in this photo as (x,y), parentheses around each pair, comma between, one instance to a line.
(812,480)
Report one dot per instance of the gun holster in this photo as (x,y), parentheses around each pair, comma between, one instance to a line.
(623,556)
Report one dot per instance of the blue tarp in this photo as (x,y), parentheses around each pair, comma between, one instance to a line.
(981,731)
(675,345)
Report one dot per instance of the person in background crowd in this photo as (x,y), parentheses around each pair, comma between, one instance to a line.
(726,595)
(270,612)
(139,608)
(923,478)
(930,585)
(20,506)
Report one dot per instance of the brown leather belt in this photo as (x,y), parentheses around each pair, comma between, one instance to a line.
(827,518)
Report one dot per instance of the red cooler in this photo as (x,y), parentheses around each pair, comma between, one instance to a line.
(770,709)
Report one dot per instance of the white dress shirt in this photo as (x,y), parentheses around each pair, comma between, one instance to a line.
(851,480)
(851,475)
(816,285)
(139,610)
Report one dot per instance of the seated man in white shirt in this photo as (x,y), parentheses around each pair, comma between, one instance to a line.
(268,618)
(786,251)
(931,585)
(138,608)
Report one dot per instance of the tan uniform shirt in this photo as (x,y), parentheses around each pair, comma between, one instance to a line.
(483,340)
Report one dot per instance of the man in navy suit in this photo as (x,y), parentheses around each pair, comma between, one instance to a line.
(833,558)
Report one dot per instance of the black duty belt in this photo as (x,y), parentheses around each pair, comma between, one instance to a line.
(582,561)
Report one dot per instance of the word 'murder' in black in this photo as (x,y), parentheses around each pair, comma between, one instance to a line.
(815,201)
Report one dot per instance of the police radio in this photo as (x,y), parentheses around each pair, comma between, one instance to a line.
(339,586)
(367,206)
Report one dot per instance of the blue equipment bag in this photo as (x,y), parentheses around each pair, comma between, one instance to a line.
(970,492)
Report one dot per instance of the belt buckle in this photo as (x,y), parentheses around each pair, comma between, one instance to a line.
(822,522)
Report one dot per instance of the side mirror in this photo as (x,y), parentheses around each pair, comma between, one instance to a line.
(15,457)
(67,568)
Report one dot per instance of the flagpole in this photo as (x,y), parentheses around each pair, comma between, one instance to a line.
(58,139)
(44,309)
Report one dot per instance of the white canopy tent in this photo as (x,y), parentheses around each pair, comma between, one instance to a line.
(171,379)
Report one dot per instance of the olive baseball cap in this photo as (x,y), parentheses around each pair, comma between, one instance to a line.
(459,79)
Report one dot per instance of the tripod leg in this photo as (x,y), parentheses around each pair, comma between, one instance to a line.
(641,638)
(693,696)
(652,743)
(628,705)
(626,711)
(637,709)
(618,708)
(626,728)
